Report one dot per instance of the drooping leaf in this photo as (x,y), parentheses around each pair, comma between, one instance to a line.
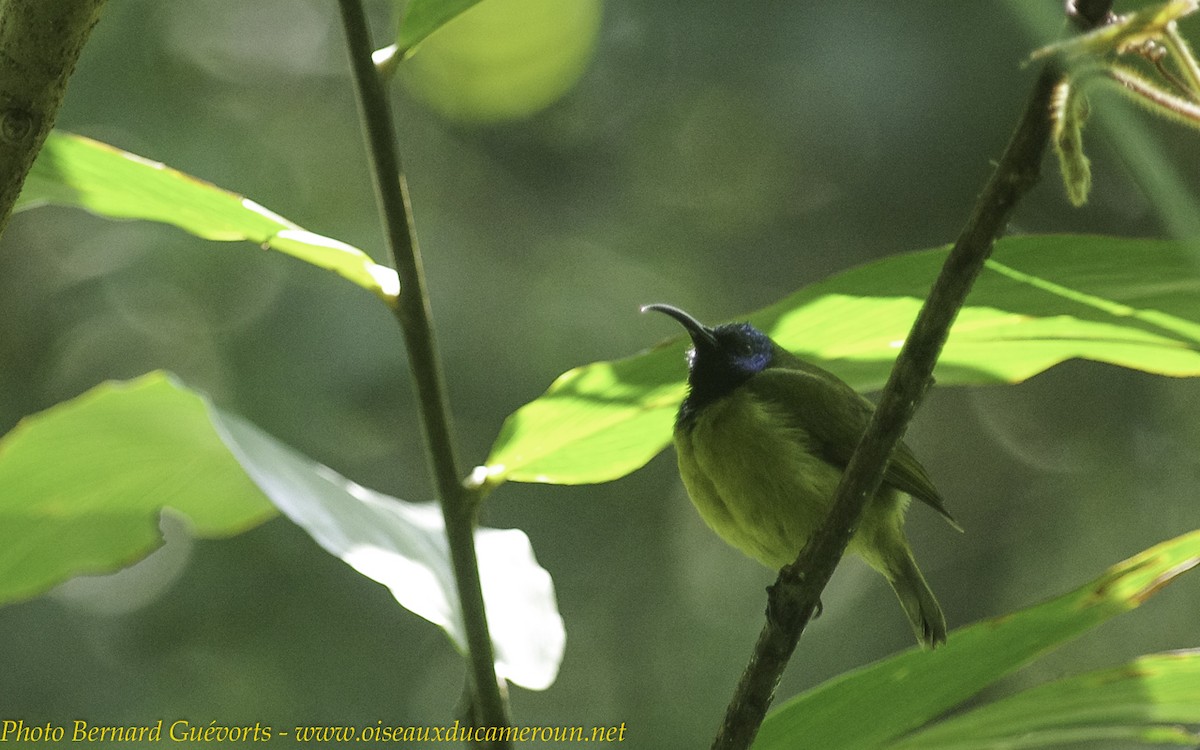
(403,546)
(877,705)
(75,171)
(82,483)
(1040,301)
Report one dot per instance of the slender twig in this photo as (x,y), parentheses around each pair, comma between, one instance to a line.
(1146,94)
(1068,110)
(412,310)
(1181,53)
(796,593)
(41,41)
(1174,81)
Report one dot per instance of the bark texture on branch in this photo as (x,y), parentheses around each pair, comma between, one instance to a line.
(40,43)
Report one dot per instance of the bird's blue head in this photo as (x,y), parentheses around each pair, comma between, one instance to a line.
(721,358)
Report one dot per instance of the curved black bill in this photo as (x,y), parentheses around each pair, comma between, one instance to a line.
(700,333)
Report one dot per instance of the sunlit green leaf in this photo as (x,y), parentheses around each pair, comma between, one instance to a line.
(423,17)
(503,59)
(403,546)
(75,171)
(875,706)
(1040,301)
(82,483)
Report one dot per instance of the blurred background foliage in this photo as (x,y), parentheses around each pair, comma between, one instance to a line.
(712,158)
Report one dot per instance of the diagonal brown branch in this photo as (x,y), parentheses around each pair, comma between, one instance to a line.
(795,595)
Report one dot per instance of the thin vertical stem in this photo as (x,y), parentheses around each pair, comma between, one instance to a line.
(413,312)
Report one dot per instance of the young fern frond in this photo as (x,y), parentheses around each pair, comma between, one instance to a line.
(1068,112)
(1095,57)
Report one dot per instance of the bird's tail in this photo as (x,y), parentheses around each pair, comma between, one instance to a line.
(915,596)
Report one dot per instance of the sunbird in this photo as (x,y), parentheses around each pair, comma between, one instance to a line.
(762,439)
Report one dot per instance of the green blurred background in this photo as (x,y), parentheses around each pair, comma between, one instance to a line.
(714,156)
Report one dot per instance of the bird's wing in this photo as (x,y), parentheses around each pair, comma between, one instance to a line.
(834,416)
(906,474)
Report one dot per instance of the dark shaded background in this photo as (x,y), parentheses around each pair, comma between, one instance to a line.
(711,157)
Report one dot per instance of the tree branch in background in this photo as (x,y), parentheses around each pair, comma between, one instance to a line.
(795,596)
(412,310)
(40,43)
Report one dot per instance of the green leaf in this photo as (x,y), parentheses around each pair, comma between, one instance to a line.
(502,60)
(1040,301)
(423,17)
(1136,702)
(875,706)
(82,483)
(595,423)
(75,171)
(403,546)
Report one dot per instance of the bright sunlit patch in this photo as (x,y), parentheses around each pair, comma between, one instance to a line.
(387,279)
(415,586)
(482,476)
(143,160)
(477,476)
(384,55)
(403,545)
(318,240)
(267,213)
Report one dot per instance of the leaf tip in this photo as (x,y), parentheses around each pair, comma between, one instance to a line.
(1164,578)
